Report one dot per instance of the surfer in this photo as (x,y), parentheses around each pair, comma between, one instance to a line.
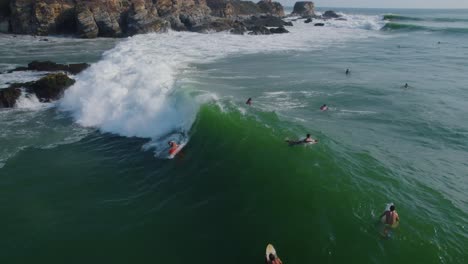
(348,71)
(324,107)
(249,101)
(406,85)
(272,259)
(306,140)
(173,146)
(391,218)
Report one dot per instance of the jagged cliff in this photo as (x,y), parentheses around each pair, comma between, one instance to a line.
(116,18)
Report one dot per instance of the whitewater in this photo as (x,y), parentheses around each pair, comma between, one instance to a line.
(133,89)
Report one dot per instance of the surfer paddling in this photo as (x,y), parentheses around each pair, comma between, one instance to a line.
(324,107)
(307,140)
(391,219)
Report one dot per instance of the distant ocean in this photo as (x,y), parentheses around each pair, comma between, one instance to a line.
(87,179)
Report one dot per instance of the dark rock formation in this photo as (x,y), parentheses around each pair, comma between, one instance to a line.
(266,21)
(52,66)
(259,30)
(319,24)
(48,88)
(279,30)
(144,18)
(119,18)
(233,8)
(9,96)
(330,14)
(270,7)
(304,8)
(308,20)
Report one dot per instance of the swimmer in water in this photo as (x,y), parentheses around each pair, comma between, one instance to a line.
(249,101)
(324,107)
(391,218)
(272,259)
(306,140)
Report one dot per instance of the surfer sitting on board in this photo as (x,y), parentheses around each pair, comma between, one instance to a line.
(173,146)
(306,140)
(249,101)
(272,259)
(391,218)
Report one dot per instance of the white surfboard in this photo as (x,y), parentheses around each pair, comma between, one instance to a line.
(270,250)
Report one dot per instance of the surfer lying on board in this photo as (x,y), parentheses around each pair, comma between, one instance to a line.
(173,146)
(391,219)
(306,140)
(272,259)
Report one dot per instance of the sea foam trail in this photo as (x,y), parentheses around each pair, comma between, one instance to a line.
(132,90)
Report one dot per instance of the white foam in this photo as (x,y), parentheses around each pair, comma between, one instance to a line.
(31,102)
(132,90)
(19,77)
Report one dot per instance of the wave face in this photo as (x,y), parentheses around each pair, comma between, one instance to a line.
(133,91)
(391,17)
(413,27)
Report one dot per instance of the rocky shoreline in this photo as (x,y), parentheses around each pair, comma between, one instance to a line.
(122,18)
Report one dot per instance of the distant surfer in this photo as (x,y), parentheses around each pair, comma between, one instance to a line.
(249,101)
(391,219)
(406,85)
(348,72)
(272,259)
(324,107)
(307,140)
(173,147)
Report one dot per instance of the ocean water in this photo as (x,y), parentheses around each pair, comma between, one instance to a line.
(88,179)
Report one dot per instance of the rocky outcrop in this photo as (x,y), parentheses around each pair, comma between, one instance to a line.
(271,8)
(304,9)
(52,66)
(42,17)
(144,18)
(233,8)
(330,14)
(266,21)
(279,30)
(50,87)
(4,16)
(9,96)
(117,18)
(46,89)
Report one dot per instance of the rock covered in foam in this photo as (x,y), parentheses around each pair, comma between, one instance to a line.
(48,88)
